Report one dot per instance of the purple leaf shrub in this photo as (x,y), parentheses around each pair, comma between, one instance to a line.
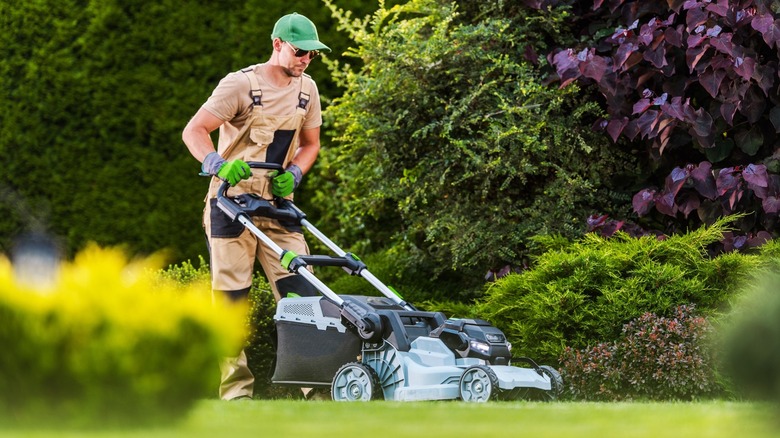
(696,81)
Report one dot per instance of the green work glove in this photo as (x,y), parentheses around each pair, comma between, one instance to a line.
(285,183)
(230,171)
(234,171)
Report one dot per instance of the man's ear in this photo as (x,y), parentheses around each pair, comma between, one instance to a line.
(277,44)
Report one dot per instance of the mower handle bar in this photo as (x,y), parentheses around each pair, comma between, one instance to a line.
(222,191)
(289,212)
(284,210)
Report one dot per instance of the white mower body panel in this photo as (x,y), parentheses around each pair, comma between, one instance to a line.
(510,377)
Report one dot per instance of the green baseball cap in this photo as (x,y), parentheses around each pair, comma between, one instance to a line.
(298,31)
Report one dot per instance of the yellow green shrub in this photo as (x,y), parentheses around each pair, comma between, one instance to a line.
(110,343)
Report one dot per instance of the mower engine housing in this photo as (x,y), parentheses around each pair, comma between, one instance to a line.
(475,338)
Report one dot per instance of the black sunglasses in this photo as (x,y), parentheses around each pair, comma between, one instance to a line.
(300,53)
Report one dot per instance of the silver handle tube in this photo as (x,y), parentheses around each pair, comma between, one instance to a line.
(323,238)
(381,287)
(302,271)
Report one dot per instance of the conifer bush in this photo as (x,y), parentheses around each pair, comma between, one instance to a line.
(110,344)
(582,293)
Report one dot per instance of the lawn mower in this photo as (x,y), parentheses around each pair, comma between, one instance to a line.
(380,347)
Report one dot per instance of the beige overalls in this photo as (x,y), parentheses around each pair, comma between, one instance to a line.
(233,248)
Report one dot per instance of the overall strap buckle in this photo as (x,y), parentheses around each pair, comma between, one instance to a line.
(305,94)
(257,97)
(303,100)
(255,93)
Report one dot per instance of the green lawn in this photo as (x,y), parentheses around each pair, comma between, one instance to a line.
(282,418)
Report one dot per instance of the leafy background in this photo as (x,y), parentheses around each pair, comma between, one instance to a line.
(460,139)
(95,95)
(454,132)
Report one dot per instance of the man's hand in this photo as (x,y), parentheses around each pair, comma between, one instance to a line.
(284,184)
(230,171)
(234,171)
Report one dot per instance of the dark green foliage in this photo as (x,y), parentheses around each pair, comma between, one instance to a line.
(450,145)
(93,107)
(655,358)
(751,338)
(186,272)
(93,99)
(583,293)
(398,268)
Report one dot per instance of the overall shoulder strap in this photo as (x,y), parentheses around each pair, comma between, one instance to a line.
(305,95)
(255,93)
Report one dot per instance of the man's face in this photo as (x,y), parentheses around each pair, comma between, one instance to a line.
(293,60)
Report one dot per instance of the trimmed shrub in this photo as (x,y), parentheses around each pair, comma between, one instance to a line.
(258,323)
(187,274)
(582,293)
(110,344)
(656,358)
(751,338)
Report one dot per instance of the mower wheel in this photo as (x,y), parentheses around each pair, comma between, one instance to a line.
(478,384)
(355,382)
(556,383)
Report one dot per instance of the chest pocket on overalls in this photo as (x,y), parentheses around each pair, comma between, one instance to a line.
(275,144)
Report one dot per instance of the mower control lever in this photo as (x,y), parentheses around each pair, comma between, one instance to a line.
(254,205)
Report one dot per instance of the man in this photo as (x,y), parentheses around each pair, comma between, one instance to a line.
(268,112)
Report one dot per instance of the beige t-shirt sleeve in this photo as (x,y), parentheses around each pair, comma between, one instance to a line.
(230,99)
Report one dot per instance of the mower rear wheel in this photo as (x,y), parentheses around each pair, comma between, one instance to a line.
(355,382)
(478,384)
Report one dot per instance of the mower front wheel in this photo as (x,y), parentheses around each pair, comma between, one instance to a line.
(478,384)
(355,382)
(556,383)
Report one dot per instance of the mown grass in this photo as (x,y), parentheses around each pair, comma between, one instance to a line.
(290,418)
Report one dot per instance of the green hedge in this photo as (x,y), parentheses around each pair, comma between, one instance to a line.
(450,145)
(581,293)
(93,99)
(110,344)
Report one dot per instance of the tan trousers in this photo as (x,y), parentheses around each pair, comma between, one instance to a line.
(237,380)
(233,258)
(232,267)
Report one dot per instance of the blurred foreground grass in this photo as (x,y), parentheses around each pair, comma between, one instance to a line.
(288,418)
